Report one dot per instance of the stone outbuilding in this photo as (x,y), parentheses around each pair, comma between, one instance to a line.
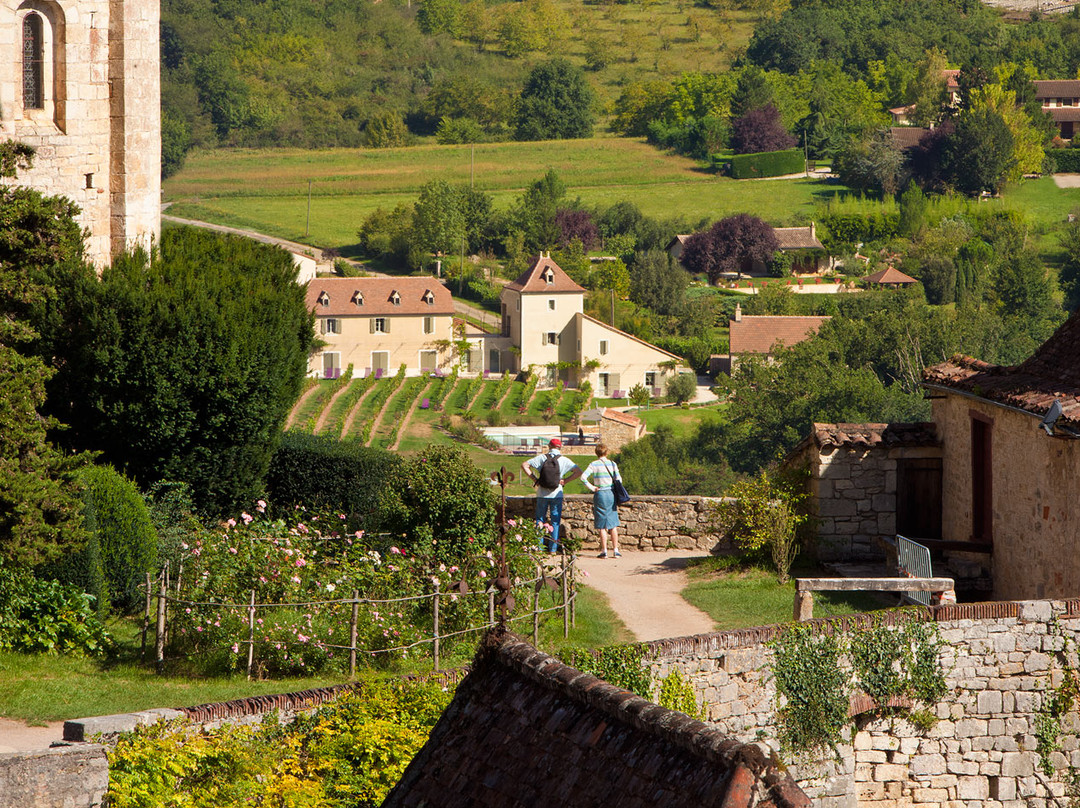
(525,729)
(870,481)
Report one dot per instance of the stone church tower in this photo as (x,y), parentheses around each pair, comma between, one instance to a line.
(80,82)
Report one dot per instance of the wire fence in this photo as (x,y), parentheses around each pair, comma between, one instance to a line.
(559,579)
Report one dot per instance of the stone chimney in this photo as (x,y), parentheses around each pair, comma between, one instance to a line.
(738,312)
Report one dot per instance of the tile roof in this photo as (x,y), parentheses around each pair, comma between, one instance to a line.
(1052,372)
(952,76)
(621,417)
(907,137)
(889,275)
(922,433)
(532,279)
(1063,114)
(757,334)
(341,295)
(797,238)
(524,729)
(1057,88)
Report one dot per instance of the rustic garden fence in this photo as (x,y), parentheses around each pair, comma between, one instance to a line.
(559,579)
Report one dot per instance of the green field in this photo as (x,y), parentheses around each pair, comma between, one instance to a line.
(266,190)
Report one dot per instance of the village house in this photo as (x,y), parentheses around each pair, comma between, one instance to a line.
(544,326)
(1061,99)
(760,335)
(889,278)
(378,324)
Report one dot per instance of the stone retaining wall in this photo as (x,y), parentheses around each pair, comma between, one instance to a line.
(648,522)
(999,658)
(62,777)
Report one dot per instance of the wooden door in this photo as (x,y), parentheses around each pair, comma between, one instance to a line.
(918,498)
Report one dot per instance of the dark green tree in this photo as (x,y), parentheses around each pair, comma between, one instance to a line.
(657,282)
(979,155)
(40,509)
(438,220)
(555,103)
(183,364)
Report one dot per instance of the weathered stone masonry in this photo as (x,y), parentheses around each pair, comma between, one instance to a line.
(1000,659)
(648,522)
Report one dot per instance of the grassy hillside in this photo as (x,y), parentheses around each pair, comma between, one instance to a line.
(266,190)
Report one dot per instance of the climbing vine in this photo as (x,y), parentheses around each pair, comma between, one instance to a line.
(620,665)
(816,674)
(676,692)
(1056,703)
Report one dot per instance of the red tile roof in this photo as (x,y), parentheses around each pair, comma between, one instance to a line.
(758,334)
(922,433)
(889,275)
(621,417)
(532,279)
(341,296)
(1063,114)
(1057,88)
(797,238)
(524,729)
(1052,372)
(907,137)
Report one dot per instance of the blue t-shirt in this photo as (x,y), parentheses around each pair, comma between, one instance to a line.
(566,465)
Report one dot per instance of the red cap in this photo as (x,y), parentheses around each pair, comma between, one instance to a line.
(555,442)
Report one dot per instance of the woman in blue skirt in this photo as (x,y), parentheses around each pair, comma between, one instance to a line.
(598,478)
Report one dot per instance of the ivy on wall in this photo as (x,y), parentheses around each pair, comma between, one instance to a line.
(816,673)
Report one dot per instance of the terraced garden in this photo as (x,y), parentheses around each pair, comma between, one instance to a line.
(407,414)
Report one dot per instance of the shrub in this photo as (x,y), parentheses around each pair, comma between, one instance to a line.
(767,164)
(39,616)
(440,502)
(682,387)
(321,472)
(348,753)
(121,545)
(1066,161)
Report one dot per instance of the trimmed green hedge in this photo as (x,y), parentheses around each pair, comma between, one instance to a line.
(767,164)
(1066,161)
(320,471)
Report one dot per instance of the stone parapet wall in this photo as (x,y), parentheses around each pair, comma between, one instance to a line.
(648,522)
(1000,659)
(62,777)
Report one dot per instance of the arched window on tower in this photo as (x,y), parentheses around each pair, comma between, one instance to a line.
(33,65)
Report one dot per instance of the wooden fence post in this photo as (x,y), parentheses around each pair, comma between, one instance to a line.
(436,627)
(160,635)
(251,633)
(536,606)
(573,592)
(352,632)
(565,599)
(146,615)
(491,606)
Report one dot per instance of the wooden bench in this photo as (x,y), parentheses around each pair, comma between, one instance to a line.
(805,588)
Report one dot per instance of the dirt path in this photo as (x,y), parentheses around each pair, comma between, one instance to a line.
(408,417)
(324,416)
(643,589)
(16,736)
(290,422)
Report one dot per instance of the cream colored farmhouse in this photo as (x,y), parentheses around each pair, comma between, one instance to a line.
(544,326)
(378,324)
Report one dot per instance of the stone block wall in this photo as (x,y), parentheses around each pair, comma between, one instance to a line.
(648,522)
(1000,661)
(62,777)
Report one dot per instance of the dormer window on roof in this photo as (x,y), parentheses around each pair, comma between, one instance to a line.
(358,298)
(429,298)
(324,299)
(549,276)
(395,298)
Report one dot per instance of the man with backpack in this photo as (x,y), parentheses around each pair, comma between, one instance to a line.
(550,472)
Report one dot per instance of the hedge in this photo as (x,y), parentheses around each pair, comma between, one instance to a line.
(1066,161)
(768,164)
(320,471)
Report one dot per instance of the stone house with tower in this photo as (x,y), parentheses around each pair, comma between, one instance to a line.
(80,83)
(544,326)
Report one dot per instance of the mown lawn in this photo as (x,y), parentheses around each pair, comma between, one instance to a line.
(680,420)
(752,597)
